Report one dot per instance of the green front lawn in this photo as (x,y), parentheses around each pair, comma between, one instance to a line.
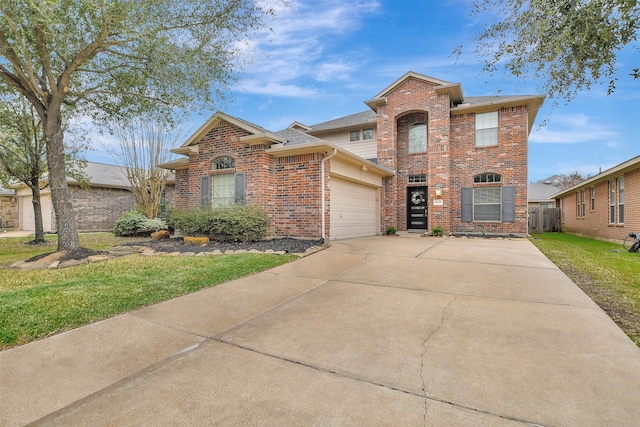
(603,270)
(38,303)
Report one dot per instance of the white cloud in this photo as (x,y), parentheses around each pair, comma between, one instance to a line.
(574,129)
(298,47)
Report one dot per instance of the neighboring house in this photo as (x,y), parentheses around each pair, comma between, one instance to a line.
(422,155)
(96,208)
(605,206)
(540,192)
(7,208)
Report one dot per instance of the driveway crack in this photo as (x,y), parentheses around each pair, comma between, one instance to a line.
(423,357)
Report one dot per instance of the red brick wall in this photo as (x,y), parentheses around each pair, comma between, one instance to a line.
(508,158)
(288,188)
(595,223)
(413,101)
(97,208)
(451,160)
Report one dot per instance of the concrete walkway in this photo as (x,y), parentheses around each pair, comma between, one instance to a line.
(398,331)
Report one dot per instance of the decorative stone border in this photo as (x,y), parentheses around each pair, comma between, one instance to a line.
(53,260)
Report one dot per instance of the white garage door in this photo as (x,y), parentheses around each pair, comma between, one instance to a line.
(353,210)
(27,221)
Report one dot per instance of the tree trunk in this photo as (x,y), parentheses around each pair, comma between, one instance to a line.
(37,212)
(66,225)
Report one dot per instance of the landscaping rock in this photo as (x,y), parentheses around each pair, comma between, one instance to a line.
(72,262)
(196,241)
(97,258)
(159,235)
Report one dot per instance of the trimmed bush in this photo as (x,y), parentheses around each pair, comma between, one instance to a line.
(233,223)
(134,223)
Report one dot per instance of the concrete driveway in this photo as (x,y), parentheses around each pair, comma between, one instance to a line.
(398,331)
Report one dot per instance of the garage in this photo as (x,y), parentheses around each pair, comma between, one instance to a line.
(353,209)
(27,220)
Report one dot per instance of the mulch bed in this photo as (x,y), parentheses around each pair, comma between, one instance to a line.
(176,244)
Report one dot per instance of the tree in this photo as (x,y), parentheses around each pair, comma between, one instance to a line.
(22,154)
(568,45)
(571,179)
(142,145)
(117,58)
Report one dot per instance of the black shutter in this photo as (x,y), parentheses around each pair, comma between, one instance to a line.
(240,192)
(467,204)
(205,191)
(509,204)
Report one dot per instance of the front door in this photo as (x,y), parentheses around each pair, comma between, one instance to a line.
(417,212)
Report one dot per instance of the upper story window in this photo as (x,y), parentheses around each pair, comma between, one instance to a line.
(223,163)
(418,138)
(487,129)
(487,177)
(367,134)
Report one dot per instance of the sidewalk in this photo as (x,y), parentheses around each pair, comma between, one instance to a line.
(404,330)
(14,233)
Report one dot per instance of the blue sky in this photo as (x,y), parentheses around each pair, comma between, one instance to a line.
(323,59)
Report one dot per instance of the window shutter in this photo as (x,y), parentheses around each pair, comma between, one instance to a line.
(467,204)
(205,191)
(240,192)
(509,203)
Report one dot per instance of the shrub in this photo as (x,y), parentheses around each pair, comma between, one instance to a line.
(391,231)
(134,223)
(244,223)
(437,231)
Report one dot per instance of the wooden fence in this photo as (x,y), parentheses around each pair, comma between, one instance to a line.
(544,219)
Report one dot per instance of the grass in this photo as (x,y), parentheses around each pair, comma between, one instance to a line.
(39,303)
(603,270)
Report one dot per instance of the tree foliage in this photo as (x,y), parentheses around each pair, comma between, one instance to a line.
(142,145)
(22,153)
(568,45)
(569,180)
(117,58)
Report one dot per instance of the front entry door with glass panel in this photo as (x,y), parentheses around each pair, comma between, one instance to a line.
(417,210)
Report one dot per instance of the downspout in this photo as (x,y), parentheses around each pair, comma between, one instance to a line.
(324,159)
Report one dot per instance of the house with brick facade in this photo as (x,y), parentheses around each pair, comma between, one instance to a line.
(605,206)
(422,155)
(7,207)
(96,207)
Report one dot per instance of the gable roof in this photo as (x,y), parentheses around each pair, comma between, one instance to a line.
(543,190)
(258,135)
(453,89)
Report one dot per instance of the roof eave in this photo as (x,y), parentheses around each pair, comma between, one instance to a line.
(326,147)
(616,170)
(533,104)
(182,163)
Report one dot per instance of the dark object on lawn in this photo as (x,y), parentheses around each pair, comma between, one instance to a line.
(633,239)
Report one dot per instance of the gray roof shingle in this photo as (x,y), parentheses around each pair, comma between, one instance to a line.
(361,118)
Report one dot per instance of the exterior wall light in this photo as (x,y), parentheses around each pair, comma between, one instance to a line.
(438,190)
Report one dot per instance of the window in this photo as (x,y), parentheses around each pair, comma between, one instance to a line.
(487,177)
(593,198)
(367,134)
(486,204)
(223,190)
(487,129)
(223,163)
(621,200)
(584,203)
(612,202)
(415,179)
(354,135)
(577,204)
(418,138)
